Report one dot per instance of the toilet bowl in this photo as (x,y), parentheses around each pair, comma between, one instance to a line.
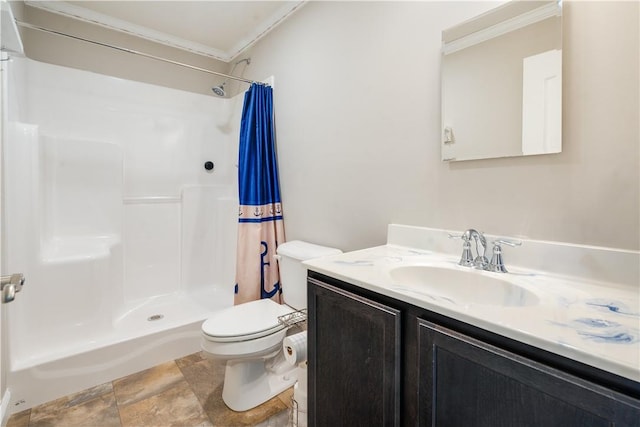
(249,336)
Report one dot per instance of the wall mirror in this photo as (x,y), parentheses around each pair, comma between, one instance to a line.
(502,83)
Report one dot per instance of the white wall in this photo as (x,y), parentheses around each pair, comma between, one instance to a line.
(357,104)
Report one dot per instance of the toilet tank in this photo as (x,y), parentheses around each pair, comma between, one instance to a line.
(293,275)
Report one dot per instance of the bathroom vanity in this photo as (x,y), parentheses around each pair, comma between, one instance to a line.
(386,350)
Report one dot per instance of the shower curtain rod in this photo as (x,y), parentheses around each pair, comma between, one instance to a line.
(135,52)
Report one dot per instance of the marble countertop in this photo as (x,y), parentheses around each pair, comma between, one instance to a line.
(592,322)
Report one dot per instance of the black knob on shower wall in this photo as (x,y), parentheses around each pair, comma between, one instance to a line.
(208,166)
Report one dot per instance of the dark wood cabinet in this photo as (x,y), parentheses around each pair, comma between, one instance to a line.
(354,359)
(376,361)
(466,382)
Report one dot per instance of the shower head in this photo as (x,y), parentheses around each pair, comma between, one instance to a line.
(219,90)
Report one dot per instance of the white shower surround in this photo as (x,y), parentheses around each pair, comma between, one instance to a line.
(112,218)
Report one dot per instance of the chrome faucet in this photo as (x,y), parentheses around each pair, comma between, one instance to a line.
(481,262)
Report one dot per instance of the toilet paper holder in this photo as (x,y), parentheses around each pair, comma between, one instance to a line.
(293,318)
(295,417)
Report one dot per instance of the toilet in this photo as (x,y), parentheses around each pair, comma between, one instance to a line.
(249,337)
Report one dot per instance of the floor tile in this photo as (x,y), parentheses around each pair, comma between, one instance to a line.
(101,411)
(278,420)
(63,404)
(19,419)
(72,400)
(222,416)
(176,406)
(89,394)
(204,377)
(286,397)
(190,360)
(147,383)
(184,392)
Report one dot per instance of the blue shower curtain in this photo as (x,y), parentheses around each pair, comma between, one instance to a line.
(260,224)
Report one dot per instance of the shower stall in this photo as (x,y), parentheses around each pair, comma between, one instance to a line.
(127,241)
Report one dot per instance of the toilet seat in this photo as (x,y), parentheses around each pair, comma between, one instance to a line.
(245,322)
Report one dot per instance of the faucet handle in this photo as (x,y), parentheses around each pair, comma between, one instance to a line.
(458,236)
(497,263)
(512,243)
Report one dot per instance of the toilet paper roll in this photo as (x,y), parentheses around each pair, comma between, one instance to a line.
(295,348)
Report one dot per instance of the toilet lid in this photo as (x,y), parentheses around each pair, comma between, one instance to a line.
(246,321)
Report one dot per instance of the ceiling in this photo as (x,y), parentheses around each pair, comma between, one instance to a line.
(217,29)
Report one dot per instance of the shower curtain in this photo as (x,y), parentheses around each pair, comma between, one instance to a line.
(260,224)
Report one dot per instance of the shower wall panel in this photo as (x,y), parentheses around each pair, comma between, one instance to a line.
(209,235)
(151,249)
(166,135)
(72,273)
(81,185)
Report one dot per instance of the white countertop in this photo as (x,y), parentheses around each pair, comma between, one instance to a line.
(592,322)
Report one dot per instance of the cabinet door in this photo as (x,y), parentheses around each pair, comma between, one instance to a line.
(354,359)
(465,382)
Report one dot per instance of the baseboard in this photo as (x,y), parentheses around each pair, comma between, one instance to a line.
(4,414)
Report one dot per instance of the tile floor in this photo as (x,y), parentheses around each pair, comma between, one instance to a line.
(183,392)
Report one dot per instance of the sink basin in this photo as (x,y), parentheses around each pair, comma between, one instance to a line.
(460,286)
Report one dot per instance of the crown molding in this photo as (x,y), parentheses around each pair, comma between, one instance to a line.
(115,24)
(265,27)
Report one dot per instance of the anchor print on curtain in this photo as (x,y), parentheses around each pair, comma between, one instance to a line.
(260,223)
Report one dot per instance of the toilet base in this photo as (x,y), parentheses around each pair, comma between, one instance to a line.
(249,383)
